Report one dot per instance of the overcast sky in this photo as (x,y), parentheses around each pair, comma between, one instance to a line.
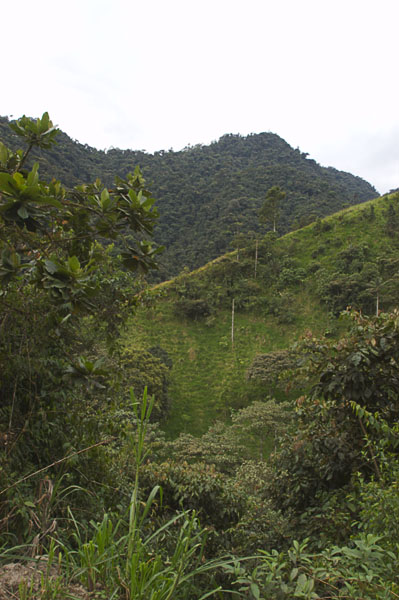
(160,74)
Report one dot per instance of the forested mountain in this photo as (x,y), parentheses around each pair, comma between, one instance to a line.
(169,442)
(210,196)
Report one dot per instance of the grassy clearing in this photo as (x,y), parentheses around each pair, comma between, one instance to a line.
(208,375)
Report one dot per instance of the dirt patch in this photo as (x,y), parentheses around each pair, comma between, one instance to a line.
(33,580)
(192,355)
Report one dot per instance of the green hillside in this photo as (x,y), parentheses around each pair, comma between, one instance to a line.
(304,280)
(208,196)
(276,499)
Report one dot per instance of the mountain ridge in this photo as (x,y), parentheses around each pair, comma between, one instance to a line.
(209,196)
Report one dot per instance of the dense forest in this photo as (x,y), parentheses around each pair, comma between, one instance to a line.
(230,433)
(209,197)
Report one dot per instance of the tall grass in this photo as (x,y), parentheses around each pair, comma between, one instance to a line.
(132,559)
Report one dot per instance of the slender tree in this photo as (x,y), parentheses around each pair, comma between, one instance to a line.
(270,209)
(232,324)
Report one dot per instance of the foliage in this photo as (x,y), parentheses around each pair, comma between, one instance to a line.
(262,475)
(196,487)
(252,431)
(141,369)
(364,570)
(273,368)
(205,191)
(359,280)
(261,423)
(262,525)
(346,424)
(133,558)
(379,506)
(292,294)
(361,367)
(64,293)
(218,446)
(270,208)
(238,451)
(192,308)
(49,235)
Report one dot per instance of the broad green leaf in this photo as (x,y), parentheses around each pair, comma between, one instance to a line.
(3,154)
(301,583)
(50,131)
(133,196)
(255,591)
(19,179)
(43,123)
(7,184)
(50,266)
(73,263)
(15,260)
(22,212)
(33,177)
(11,259)
(50,201)
(294,573)
(148,203)
(105,199)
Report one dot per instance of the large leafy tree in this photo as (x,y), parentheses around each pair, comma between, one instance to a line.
(65,261)
(52,237)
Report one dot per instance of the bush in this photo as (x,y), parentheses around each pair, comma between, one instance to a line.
(192,308)
(365,569)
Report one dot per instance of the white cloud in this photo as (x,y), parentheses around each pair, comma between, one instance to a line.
(160,74)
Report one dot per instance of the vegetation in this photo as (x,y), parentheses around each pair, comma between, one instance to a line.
(270,209)
(209,195)
(303,281)
(63,297)
(263,469)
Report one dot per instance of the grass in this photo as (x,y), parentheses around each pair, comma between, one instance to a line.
(208,377)
(119,558)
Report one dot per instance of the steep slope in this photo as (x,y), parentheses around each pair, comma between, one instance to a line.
(209,196)
(303,281)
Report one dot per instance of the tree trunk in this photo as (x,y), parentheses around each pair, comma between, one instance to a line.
(256,256)
(232,325)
